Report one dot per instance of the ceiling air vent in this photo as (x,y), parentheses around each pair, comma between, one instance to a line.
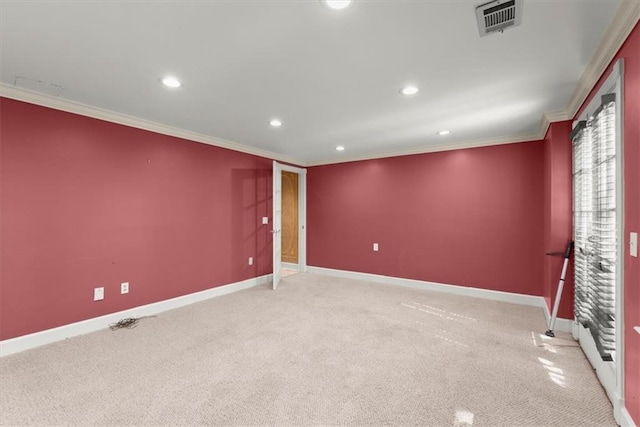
(497,15)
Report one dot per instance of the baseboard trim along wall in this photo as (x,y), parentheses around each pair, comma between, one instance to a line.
(563,325)
(626,420)
(37,339)
(26,342)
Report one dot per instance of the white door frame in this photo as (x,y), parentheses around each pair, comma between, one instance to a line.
(302,218)
(302,214)
(277,224)
(611,376)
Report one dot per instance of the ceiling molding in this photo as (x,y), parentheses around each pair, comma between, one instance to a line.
(545,122)
(624,21)
(556,116)
(551,117)
(434,149)
(55,103)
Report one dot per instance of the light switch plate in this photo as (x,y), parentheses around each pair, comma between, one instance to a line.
(265,220)
(633,244)
(375,247)
(98,294)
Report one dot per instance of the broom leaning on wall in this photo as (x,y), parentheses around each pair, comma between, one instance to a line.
(552,320)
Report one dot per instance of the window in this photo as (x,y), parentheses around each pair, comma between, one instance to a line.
(594,180)
(597,231)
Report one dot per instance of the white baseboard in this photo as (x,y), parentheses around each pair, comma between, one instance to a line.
(522,299)
(562,325)
(290,266)
(625,418)
(26,342)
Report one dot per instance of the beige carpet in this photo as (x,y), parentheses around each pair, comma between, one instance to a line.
(318,350)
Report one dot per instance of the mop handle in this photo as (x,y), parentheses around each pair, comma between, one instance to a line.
(552,321)
(567,253)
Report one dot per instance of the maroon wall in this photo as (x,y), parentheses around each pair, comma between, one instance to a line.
(466,217)
(558,215)
(88,203)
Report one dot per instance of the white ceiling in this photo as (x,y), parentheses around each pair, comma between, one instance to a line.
(332,77)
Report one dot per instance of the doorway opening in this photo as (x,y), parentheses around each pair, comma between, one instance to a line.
(289,234)
(290,237)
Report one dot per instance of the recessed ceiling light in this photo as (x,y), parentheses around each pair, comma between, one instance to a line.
(171,82)
(337,4)
(444,132)
(275,123)
(340,148)
(409,90)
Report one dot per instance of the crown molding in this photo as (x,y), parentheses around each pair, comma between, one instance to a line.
(545,122)
(556,116)
(461,145)
(68,106)
(551,117)
(61,104)
(624,21)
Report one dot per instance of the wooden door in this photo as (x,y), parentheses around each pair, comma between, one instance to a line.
(277,224)
(289,217)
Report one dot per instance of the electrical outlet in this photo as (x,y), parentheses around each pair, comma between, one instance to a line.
(250,260)
(375,247)
(98,294)
(265,220)
(124,287)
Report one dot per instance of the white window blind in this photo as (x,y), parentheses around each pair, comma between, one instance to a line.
(594,210)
